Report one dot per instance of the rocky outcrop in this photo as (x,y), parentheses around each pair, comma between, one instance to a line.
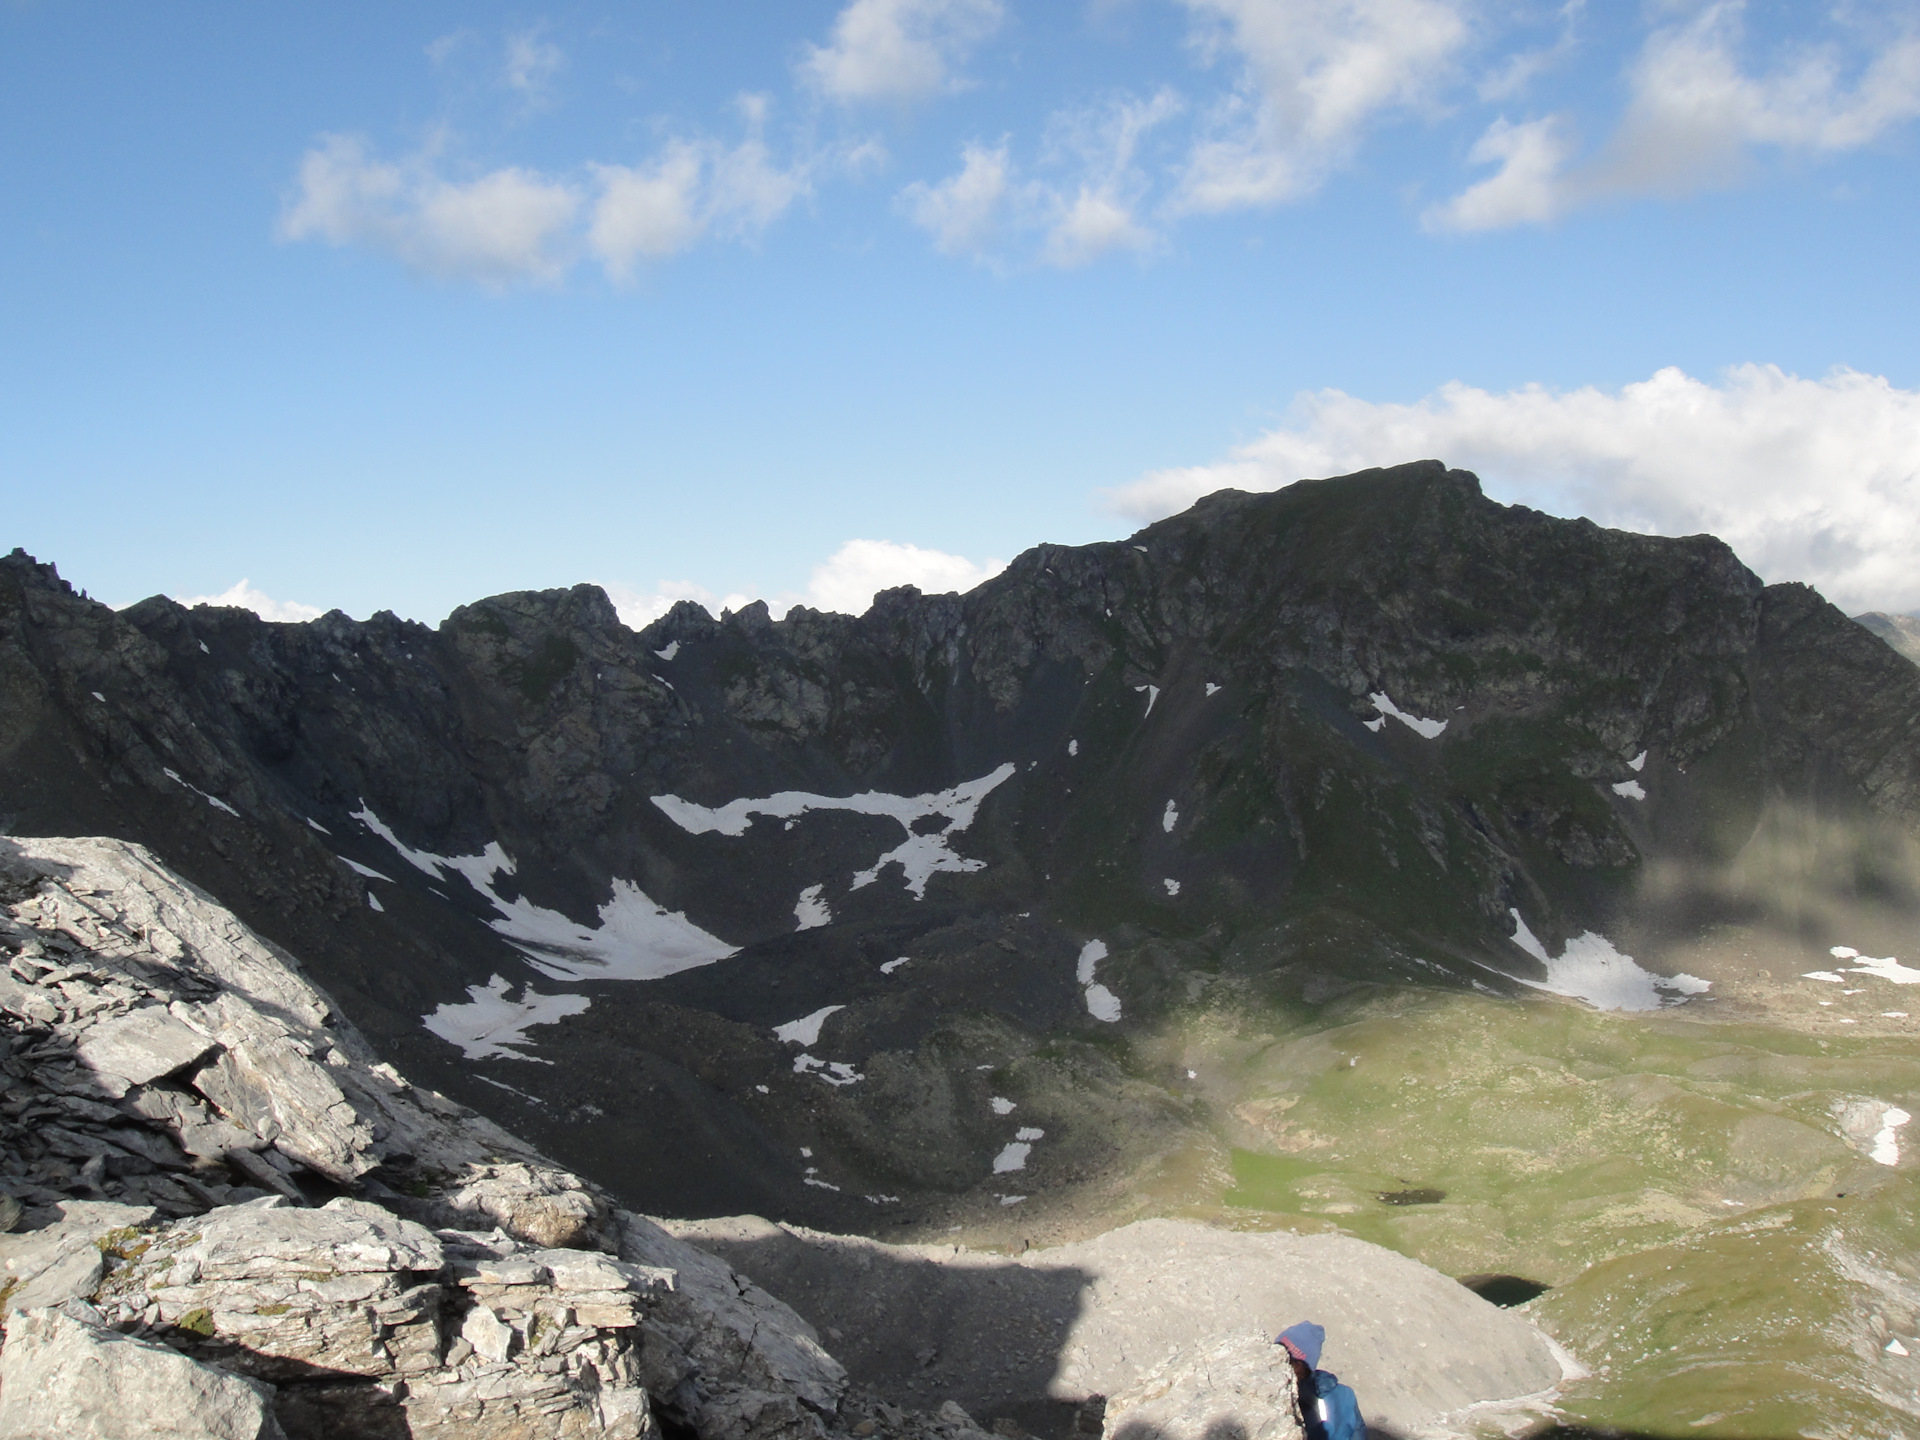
(183,1114)
(65,1373)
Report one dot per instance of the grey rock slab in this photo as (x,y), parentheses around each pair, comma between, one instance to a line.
(1091,1318)
(143,1045)
(62,1377)
(268,1238)
(72,1274)
(284,1097)
(1241,1387)
(28,1002)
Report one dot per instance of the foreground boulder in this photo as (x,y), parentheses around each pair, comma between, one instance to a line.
(64,1374)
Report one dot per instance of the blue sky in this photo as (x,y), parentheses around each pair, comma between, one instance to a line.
(394,307)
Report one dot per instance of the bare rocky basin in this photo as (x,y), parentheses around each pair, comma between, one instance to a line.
(231,1221)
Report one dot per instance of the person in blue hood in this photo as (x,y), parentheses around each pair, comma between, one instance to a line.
(1328,1409)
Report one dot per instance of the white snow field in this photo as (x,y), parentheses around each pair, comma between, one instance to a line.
(805,1030)
(1102,1003)
(1590,969)
(490,1025)
(1426,729)
(918,856)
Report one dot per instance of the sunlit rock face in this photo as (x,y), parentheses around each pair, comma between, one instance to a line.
(1373,731)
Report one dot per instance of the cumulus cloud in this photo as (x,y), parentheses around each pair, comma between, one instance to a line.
(1813,480)
(244,596)
(1313,74)
(846,582)
(638,608)
(860,569)
(507,225)
(899,50)
(1695,118)
(512,225)
(963,213)
(691,189)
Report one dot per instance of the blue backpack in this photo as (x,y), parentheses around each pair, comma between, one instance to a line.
(1332,1410)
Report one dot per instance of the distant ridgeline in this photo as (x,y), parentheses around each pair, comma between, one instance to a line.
(754,915)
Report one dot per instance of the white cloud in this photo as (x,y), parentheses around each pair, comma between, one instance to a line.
(532,63)
(859,569)
(1695,119)
(1813,480)
(243,596)
(846,583)
(1313,75)
(977,207)
(638,609)
(964,212)
(504,226)
(901,50)
(514,225)
(1526,189)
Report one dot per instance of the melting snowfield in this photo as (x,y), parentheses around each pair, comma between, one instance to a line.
(636,939)
(490,1025)
(1426,729)
(918,856)
(1590,969)
(1102,1003)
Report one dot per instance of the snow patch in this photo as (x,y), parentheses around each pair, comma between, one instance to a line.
(1428,729)
(1016,1199)
(1102,1003)
(373,902)
(213,800)
(811,910)
(314,824)
(834,1072)
(1002,1105)
(1590,969)
(1212,690)
(1152,693)
(1886,1144)
(1631,789)
(919,856)
(98,696)
(805,1030)
(635,938)
(1073,747)
(1885,969)
(887,967)
(1169,817)
(1827,975)
(673,649)
(367,870)
(488,1024)
(1638,762)
(1013,1157)
(1173,886)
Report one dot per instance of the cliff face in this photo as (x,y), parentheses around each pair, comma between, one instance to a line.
(1369,729)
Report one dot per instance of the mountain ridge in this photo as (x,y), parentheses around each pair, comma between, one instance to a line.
(1209,778)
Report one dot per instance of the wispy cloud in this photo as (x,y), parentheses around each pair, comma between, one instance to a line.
(1312,75)
(1814,480)
(1090,201)
(244,596)
(899,50)
(532,63)
(513,226)
(1696,117)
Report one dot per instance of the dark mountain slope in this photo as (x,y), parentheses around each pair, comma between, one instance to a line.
(1188,746)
